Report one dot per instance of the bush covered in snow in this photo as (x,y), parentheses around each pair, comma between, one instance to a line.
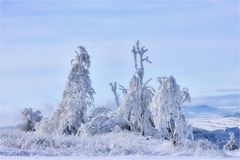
(29,119)
(231,144)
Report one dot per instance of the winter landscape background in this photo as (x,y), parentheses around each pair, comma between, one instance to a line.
(196,42)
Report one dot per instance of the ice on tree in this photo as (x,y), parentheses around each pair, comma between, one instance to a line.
(166,109)
(134,109)
(101,120)
(141,109)
(100,125)
(100,111)
(29,119)
(77,98)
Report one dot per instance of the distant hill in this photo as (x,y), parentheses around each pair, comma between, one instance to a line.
(199,110)
(237,115)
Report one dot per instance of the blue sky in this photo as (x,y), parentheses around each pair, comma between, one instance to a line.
(196,41)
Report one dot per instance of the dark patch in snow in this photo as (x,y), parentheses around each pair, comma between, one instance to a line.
(218,137)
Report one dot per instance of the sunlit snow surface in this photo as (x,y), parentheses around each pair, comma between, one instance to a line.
(117,146)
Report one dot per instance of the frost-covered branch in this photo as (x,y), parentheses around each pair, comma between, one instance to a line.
(114,90)
(139,52)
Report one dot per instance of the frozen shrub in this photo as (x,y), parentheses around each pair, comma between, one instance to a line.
(231,144)
(29,119)
(100,111)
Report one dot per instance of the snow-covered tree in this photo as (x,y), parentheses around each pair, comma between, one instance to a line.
(166,109)
(29,119)
(141,109)
(100,111)
(134,109)
(231,144)
(77,98)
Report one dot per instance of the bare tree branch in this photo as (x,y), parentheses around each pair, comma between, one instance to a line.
(135,56)
(114,90)
(123,89)
(146,59)
(77,52)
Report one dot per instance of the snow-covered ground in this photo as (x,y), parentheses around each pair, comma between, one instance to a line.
(214,122)
(132,157)
(113,144)
(117,146)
